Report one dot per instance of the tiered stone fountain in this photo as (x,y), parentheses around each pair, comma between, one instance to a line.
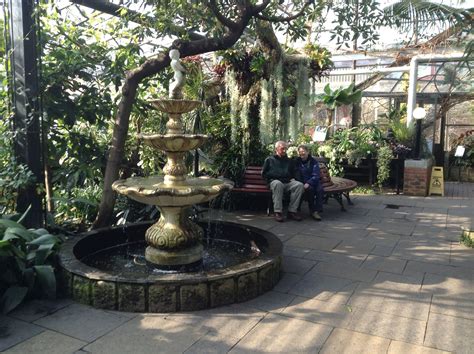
(99,267)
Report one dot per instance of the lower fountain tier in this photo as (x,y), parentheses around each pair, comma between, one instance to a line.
(153,190)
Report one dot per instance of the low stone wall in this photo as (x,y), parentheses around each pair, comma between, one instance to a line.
(416,178)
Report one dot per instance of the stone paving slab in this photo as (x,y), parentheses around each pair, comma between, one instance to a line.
(388,326)
(336,258)
(385,264)
(344,341)
(234,320)
(48,342)
(212,343)
(383,251)
(297,265)
(296,252)
(397,347)
(13,331)
(345,271)
(313,242)
(331,313)
(439,269)
(271,301)
(148,334)
(287,282)
(424,250)
(320,287)
(281,334)
(83,322)
(450,333)
(35,309)
(365,245)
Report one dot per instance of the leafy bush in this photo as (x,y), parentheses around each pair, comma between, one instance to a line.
(13,177)
(26,258)
(466,139)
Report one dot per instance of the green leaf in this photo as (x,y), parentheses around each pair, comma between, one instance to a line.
(42,253)
(9,223)
(40,231)
(45,240)
(22,233)
(47,280)
(13,297)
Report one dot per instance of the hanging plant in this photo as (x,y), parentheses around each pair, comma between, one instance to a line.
(232,90)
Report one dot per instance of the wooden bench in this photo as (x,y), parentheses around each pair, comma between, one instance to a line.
(253,183)
(334,187)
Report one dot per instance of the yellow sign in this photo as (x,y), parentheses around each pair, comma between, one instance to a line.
(437,181)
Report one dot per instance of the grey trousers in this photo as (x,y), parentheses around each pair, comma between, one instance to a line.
(296,190)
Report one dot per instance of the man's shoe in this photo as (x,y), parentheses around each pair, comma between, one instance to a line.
(316,216)
(279,217)
(294,216)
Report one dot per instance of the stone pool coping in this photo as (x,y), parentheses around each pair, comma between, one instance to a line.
(170,292)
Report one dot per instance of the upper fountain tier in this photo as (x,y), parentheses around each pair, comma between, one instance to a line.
(175,106)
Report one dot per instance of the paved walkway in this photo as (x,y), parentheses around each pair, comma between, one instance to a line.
(388,276)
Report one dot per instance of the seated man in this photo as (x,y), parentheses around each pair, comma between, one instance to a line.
(280,173)
(310,176)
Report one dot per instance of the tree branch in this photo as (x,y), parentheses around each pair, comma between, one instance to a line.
(212,5)
(131,15)
(288,18)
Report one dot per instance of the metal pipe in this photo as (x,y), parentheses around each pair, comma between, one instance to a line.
(423,58)
(369,71)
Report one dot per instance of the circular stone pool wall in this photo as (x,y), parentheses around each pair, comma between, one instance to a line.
(167,291)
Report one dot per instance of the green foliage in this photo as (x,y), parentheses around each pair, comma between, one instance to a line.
(318,56)
(363,190)
(352,144)
(356,23)
(77,207)
(467,238)
(340,96)
(421,18)
(384,156)
(403,134)
(26,258)
(466,139)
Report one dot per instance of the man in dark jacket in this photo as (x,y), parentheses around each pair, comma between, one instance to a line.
(280,173)
(309,174)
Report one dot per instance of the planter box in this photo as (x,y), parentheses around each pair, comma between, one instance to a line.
(416,179)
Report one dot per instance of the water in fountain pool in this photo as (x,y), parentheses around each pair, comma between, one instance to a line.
(128,258)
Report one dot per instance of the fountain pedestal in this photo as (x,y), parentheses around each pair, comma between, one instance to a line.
(174,239)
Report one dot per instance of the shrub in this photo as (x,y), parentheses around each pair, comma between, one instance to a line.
(26,263)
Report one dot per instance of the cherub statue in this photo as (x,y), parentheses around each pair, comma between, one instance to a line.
(179,73)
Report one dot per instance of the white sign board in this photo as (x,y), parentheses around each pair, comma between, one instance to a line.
(460,151)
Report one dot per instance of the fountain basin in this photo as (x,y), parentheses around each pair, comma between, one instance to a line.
(154,191)
(174,142)
(168,291)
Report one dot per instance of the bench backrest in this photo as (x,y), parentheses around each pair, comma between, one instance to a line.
(252,178)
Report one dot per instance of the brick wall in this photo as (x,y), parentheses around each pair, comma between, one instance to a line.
(416,178)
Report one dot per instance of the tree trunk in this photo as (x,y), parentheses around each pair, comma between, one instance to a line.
(120,132)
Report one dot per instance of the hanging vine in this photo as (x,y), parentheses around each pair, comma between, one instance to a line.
(266,112)
(232,90)
(278,86)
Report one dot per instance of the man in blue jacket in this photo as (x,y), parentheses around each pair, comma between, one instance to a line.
(280,173)
(310,176)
